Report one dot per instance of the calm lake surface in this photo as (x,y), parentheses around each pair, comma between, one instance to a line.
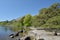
(5,32)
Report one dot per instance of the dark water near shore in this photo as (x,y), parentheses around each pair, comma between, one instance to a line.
(5,32)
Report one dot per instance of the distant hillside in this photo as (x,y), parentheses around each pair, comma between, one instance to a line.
(47,17)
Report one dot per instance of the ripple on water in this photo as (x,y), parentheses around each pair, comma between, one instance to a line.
(4,33)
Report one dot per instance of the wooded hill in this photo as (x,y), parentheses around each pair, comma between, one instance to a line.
(47,17)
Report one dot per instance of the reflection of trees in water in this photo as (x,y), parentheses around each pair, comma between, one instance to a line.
(6,28)
(15,29)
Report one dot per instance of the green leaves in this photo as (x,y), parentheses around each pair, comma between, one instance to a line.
(54,6)
(47,17)
(53,22)
(46,14)
(27,20)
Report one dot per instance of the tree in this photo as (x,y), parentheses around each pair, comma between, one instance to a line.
(43,11)
(21,21)
(27,20)
(55,6)
(37,21)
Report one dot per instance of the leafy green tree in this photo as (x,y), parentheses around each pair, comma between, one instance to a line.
(54,6)
(43,11)
(21,21)
(27,20)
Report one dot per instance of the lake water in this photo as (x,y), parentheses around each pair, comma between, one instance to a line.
(5,32)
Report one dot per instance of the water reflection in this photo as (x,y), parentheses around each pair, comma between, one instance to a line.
(4,33)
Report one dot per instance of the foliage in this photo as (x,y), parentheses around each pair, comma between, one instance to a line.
(27,20)
(47,17)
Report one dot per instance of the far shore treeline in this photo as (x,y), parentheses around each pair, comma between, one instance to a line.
(46,17)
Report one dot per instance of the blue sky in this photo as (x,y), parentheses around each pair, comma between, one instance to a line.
(12,9)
